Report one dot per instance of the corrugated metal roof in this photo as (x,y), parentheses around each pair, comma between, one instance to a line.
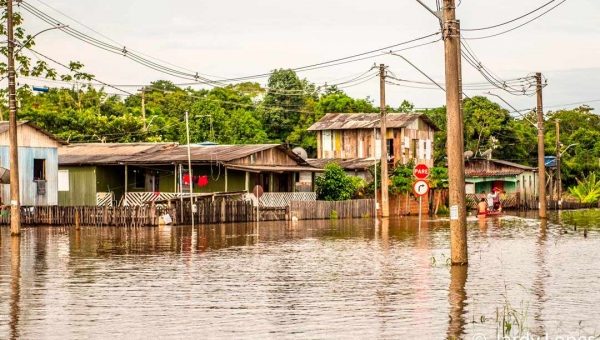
(499,173)
(479,167)
(4,127)
(159,153)
(515,165)
(274,168)
(348,164)
(215,153)
(107,153)
(348,121)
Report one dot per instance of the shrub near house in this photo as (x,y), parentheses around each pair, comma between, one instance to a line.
(335,185)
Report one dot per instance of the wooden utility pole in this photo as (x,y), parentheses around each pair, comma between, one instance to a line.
(144,108)
(455,140)
(541,154)
(558,175)
(385,206)
(15,205)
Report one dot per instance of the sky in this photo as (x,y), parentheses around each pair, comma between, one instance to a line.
(233,38)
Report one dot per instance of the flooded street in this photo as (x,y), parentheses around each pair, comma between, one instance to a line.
(347,279)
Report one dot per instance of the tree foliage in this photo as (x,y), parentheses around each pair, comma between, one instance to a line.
(587,190)
(335,185)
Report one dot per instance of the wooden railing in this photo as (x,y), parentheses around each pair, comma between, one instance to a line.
(283,199)
(508,201)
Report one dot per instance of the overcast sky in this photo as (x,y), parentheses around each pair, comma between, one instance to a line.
(232,38)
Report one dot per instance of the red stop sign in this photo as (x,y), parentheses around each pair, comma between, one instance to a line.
(421,171)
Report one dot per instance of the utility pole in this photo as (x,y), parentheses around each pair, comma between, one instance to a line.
(144,108)
(558,175)
(455,141)
(15,206)
(460,87)
(385,206)
(541,154)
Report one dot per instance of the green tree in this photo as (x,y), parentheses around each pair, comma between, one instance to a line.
(401,181)
(283,104)
(438,181)
(334,184)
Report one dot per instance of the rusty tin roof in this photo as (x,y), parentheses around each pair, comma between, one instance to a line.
(159,153)
(348,121)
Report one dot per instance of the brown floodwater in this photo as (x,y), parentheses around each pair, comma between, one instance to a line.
(346,279)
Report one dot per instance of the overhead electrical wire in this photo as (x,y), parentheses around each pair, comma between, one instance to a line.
(67,67)
(438,85)
(191,76)
(521,88)
(507,22)
(514,28)
(108,38)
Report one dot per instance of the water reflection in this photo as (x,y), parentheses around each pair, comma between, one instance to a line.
(15,286)
(312,279)
(458,302)
(540,278)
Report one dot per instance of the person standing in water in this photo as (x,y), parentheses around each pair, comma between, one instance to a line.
(490,200)
(482,208)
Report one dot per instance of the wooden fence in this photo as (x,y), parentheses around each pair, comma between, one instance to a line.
(206,212)
(317,210)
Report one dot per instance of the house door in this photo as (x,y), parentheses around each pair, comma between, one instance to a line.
(498,184)
(151,184)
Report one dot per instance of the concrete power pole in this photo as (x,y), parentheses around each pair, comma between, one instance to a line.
(456,164)
(558,175)
(385,204)
(541,154)
(15,205)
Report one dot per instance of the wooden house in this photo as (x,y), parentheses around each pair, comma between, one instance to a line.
(119,171)
(38,164)
(358,136)
(519,183)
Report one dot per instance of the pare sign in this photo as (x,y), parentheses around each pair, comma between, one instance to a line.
(421,171)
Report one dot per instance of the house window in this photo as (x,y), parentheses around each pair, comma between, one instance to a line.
(139,178)
(414,148)
(63,180)
(390,148)
(39,169)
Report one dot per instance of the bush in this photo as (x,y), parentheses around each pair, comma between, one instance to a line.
(335,185)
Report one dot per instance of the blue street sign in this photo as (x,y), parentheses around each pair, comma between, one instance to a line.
(41,89)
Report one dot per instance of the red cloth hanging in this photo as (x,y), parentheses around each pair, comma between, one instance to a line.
(202,181)
(186,179)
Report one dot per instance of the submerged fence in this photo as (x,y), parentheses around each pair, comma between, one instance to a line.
(206,212)
(316,210)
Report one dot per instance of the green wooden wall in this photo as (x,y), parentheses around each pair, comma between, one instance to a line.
(82,188)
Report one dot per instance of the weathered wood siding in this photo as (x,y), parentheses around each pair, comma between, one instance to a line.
(271,156)
(30,137)
(359,143)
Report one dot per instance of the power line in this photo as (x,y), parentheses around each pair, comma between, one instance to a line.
(525,83)
(108,38)
(150,64)
(514,28)
(507,22)
(67,67)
